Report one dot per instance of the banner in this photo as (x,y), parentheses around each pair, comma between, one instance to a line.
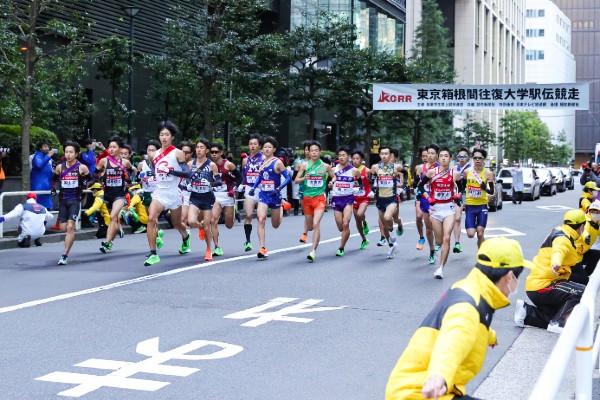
(560,96)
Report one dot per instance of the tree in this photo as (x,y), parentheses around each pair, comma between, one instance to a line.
(561,150)
(525,136)
(473,131)
(38,54)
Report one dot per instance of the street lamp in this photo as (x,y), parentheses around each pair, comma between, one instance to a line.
(131,13)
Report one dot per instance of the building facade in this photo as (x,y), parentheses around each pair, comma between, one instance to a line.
(548,59)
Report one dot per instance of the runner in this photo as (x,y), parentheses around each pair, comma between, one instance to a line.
(387,174)
(73,177)
(146,172)
(250,166)
(313,173)
(394,156)
(166,194)
(418,213)
(441,198)
(480,183)
(463,163)
(224,194)
(113,173)
(342,195)
(269,179)
(188,151)
(362,196)
(302,185)
(432,162)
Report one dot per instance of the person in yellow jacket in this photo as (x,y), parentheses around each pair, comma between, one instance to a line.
(136,214)
(99,206)
(449,348)
(588,257)
(548,285)
(587,196)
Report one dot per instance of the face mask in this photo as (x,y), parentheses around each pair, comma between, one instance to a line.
(512,292)
(594,193)
(595,217)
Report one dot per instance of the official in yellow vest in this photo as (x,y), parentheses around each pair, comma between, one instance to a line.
(588,257)
(587,196)
(449,347)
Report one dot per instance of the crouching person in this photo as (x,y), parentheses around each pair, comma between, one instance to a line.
(32,220)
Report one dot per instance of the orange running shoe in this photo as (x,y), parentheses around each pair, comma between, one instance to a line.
(286,206)
(303,238)
(262,254)
(208,256)
(201,234)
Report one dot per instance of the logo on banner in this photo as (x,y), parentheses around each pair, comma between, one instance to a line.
(393,98)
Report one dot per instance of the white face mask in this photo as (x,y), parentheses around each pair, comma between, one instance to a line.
(512,292)
(595,217)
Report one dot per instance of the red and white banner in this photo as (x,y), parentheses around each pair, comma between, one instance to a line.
(560,96)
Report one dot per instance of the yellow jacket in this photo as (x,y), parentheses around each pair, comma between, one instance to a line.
(137,204)
(451,342)
(99,205)
(559,247)
(588,238)
(585,200)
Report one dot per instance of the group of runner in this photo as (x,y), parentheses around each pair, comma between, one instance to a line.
(197,190)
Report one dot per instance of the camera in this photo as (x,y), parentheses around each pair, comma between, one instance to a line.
(5,150)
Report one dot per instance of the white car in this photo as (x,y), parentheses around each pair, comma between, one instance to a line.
(531,183)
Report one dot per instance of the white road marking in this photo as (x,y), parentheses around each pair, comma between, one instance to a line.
(503,231)
(555,208)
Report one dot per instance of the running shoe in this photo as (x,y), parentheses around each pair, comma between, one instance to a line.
(247,246)
(286,206)
(382,242)
(185,246)
(218,251)
(400,230)
(366,228)
(432,258)
(134,216)
(124,217)
(63,260)
(159,239)
(201,234)
(208,255)
(437,248)
(339,253)
(439,273)
(121,232)
(106,247)
(364,244)
(303,238)
(420,244)
(238,217)
(392,250)
(262,254)
(151,259)
(141,229)
(311,256)
(457,248)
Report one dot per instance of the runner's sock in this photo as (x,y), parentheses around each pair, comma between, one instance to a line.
(248,231)
(153,252)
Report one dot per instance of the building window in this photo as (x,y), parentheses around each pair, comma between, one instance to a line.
(532,55)
(541,13)
(535,32)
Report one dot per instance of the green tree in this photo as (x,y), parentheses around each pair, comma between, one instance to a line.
(561,149)
(524,136)
(474,130)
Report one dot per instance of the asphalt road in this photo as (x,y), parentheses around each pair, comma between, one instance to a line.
(106,327)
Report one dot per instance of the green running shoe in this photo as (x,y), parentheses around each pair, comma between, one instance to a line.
(432,259)
(364,244)
(382,242)
(106,247)
(134,216)
(311,256)
(151,260)
(159,239)
(340,253)
(185,246)
(457,248)
(437,248)
(366,229)
(218,251)
(247,246)
(399,231)
(141,229)
(63,261)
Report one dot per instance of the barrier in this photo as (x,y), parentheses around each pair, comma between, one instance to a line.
(577,336)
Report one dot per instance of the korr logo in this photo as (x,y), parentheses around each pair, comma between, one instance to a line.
(393,98)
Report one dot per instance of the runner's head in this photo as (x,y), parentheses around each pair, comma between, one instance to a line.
(433,151)
(394,154)
(479,156)
(306,146)
(269,146)
(115,143)
(463,156)
(255,142)
(385,154)
(445,156)
(151,148)
(424,154)
(216,151)
(71,150)
(126,151)
(202,148)
(314,150)
(344,155)
(188,150)
(357,158)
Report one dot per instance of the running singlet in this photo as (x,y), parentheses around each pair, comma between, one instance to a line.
(70,182)
(344,183)
(226,178)
(314,184)
(424,172)
(270,180)
(476,194)
(166,160)
(147,177)
(201,178)
(114,180)
(386,181)
(442,185)
(251,168)
(366,189)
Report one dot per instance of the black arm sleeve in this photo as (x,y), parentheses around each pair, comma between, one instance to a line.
(415,181)
(294,175)
(421,186)
(238,176)
(462,185)
(181,174)
(490,187)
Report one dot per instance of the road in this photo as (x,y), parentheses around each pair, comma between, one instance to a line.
(106,327)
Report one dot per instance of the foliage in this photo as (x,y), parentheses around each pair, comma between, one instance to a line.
(524,136)
(474,130)
(561,149)
(10,136)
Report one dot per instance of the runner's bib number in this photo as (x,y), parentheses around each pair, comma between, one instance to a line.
(267,186)
(199,187)
(163,177)
(114,180)
(342,188)
(69,182)
(149,183)
(385,182)
(251,177)
(442,195)
(474,191)
(314,181)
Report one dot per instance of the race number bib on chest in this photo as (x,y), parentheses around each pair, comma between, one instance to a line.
(163,177)
(113,178)
(199,186)
(474,191)
(69,182)
(314,181)
(149,183)
(385,181)
(267,186)
(442,195)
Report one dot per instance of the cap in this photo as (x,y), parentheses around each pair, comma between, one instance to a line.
(243,155)
(135,187)
(501,252)
(574,217)
(595,205)
(31,196)
(282,159)
(96,185)
(591,185)
(584,165)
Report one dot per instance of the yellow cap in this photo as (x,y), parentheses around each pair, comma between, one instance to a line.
(501,252)
(96,185)
(574,217)
(591,185)
(135,187)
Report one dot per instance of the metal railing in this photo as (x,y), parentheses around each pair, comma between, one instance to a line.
(577,336)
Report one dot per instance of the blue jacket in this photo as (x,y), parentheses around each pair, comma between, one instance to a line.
(41,177)
(89,159)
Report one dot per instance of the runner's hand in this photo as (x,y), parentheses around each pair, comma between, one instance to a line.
(53,192)
(251,192)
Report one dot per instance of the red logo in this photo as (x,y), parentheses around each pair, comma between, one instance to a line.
(394,98)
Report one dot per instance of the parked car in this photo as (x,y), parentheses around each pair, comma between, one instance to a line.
(547,180)
(569,178)
(575,171)
(531,183)
(495,200)
(559,175)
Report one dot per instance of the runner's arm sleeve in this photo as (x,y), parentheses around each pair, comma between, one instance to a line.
(294,175)
(237,175)
(216,180)
(85,180)
(421,185)
(415,181)
(286,180)
(258,179)
(184,173)
(461,184)
(490,188)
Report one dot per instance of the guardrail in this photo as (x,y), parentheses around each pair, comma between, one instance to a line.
(577,336)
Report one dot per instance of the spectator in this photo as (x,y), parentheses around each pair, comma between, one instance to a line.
(89,156)
(2,173)
(32,220)
(42,172)
(517,184)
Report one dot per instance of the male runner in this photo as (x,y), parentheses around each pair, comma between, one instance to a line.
(342,195)
(314,173)
(480,183)
(302,184)
(166,194)
(387,173)
(113,172)
(394,156)
(418,213)
(73,177)
(188,151)
(269,179)
(463,163)
(423,204)
(362,196)
(441,198)
(224,194)
(250,166)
